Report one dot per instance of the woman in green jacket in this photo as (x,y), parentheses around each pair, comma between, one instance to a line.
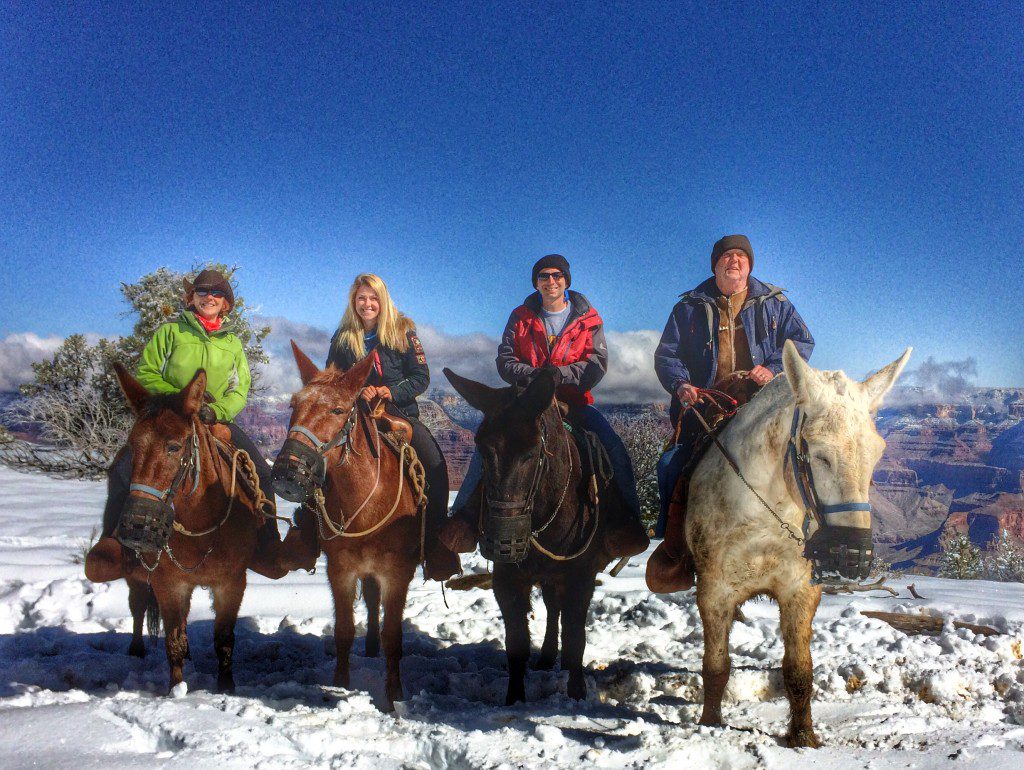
(200,338)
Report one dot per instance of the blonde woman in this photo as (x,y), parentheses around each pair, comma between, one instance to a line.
(373,326)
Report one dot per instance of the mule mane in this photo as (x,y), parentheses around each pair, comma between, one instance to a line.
(162,402)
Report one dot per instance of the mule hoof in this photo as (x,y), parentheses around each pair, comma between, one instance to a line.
(711,721)
(577,690)
(544,663)
(515,697)
(803,739)
(137,648)
(226,685)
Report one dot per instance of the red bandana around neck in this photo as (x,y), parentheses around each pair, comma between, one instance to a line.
(210,326)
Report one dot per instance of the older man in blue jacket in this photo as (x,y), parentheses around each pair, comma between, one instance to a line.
(731,323)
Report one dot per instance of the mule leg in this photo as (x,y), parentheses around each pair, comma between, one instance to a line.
(717,611)
(138,603)
(795,615)
(343,586)
(575,596)
(394,589)
(512,593)
(549,650)
(175,601)
(371,595)
(227,598)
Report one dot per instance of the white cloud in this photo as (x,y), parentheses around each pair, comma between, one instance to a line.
(18,352)
(631,355)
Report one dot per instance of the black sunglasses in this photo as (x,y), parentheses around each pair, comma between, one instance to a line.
(210,292)
(556,276)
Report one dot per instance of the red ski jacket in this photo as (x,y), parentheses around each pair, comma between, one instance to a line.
(580,351)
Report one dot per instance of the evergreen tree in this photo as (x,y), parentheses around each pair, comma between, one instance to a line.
(1005,560)
(75,397)
(961,559)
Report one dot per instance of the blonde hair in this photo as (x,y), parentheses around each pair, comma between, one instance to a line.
(392,326)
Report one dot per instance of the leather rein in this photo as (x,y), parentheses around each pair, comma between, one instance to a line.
(796,456)
(191,462)
(343,438)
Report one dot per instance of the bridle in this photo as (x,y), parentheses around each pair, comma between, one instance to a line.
(300,468)
(507,538)
(834,549)
(837,553)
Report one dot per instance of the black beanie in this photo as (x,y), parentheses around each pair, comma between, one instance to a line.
(556,261)
(728,242)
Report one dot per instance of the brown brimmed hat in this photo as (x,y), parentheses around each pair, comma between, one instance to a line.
(211,280)
(729,242)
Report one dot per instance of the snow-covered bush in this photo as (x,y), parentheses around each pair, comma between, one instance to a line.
(1004,560)
(961,559)
(644,435)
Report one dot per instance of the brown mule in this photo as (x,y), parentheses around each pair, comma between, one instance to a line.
(372,526)
(538,523)
(214,534)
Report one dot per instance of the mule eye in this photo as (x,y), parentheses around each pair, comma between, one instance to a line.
(173,448)
(337,411)
(823,460)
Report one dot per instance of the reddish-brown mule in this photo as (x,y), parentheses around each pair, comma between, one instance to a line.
(370,527)
(214,536)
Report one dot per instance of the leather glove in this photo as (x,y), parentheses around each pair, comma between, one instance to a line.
(555,372)
(207,415)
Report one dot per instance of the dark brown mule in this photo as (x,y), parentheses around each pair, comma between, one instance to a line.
(370,526)
(214,535)
(532,468)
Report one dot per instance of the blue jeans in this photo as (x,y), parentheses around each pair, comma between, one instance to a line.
(670,468)
(590,419)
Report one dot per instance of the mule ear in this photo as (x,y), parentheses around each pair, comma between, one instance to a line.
(307,369)
(192,394)
(478,395)
(802,378)
(538,394)
(878,384)
(135,394)
(360,370)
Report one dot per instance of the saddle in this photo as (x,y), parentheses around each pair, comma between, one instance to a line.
(671,567)
(390,423)
(595,464)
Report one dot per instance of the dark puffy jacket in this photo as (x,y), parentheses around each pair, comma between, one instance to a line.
(688,351)
(580,352)
(406,374)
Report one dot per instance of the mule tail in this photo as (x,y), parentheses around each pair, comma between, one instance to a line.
(152,619)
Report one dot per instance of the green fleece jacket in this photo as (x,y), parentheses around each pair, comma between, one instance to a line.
(182,347)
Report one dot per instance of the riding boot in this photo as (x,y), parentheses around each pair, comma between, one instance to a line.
(105,560)
(461,531)
(671,566)
(267,558)
(625,534)
(301,546)
(439,561)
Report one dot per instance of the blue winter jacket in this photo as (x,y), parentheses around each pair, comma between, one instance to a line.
(688,351)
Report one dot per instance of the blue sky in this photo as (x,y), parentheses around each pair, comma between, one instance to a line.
(874,155)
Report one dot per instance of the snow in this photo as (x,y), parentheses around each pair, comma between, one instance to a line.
(71,697)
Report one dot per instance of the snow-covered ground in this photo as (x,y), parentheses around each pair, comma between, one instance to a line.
(71,697)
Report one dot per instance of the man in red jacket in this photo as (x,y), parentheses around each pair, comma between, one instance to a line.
(556,328)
